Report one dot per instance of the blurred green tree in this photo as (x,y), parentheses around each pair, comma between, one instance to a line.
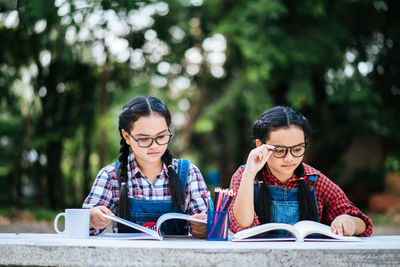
(67,67)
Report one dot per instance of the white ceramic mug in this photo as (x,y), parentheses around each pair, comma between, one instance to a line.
(77,222)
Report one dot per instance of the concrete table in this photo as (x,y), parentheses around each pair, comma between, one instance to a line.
(53,249)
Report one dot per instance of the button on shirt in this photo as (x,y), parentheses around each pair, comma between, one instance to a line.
(331,200)
(105,190)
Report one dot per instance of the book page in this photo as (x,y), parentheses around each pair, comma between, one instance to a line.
(124,236)
(175,215)
(265,228)
(135,226)
(262,239)
(306,228)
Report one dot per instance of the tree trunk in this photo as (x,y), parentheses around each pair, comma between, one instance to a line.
(86,163)
(55,183)
(16,180)
(103,109)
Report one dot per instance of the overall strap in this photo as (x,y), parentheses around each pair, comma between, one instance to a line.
(255,185)
(183,171)
(255,195)
(116,172)
(313,178)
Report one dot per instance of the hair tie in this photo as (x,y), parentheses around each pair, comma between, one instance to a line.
(301,178)
(169,166)
(123,184)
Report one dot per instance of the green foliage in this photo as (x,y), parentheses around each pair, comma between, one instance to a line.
(383,219)
(44,214)
(31,214)
(300,94)
(58,119)
(393,162)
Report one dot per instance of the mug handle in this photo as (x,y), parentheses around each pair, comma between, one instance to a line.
(55,223)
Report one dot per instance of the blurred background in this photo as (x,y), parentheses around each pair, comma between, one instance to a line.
(67,68)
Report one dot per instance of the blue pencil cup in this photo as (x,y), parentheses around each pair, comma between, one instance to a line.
(217,225)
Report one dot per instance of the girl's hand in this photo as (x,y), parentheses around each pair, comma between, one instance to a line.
(343,225)
(97,220)
(257,158)
(199,229)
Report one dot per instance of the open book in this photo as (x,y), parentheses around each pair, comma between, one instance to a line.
(299,231)
(148,233)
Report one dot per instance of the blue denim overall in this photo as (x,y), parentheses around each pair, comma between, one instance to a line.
(144,210)
(284,206)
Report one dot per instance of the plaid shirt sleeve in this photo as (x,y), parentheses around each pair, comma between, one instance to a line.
(335,203)
(103,192)
(196,192)
(234,226)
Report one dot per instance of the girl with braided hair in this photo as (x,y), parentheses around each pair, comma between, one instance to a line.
(148,182)
(276,186)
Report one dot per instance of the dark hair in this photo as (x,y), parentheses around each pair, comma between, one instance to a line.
(131,112)
(273,119)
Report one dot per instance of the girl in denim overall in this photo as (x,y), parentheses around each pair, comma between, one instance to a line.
(275,186)
(147,183)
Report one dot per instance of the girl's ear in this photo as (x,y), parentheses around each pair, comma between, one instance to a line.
(126,137)
(258,142)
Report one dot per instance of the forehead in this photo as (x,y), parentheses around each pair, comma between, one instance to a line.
(287,136)
(150,125)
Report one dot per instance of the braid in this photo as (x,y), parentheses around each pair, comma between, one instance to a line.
(178,195)
(123,205)
(307,208)
(263,206)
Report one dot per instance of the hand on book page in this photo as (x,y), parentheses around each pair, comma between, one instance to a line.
(299,231)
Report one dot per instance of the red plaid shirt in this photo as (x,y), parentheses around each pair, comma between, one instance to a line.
(331,200)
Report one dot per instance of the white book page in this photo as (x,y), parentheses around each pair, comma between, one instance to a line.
(175,215)
(124,236)
(265,228)
(306,228)
(271,239)
(135,226)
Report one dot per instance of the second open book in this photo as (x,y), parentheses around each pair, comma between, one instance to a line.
(299,232)
(147,233)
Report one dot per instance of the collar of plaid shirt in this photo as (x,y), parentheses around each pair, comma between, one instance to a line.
(136,170)
(270,179)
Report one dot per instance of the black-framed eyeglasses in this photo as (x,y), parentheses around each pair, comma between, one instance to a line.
(148,141)
(296,151)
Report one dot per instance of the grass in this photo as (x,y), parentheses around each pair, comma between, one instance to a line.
(28,214)
(384,219)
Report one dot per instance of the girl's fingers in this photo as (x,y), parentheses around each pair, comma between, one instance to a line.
(269,146)
(337,228)
(97,219)
(201,216)
(258,157)
(334,229)
(340,229)
(343,225)
(264,150)
(267,151)
(105,210)
(261,154)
